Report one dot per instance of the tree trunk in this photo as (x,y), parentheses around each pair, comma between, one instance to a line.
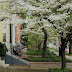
(63,45)
(63,59)
(60,51)
(39,46)
(70,46)
(45,42)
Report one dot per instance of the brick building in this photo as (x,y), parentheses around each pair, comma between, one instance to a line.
(17,33)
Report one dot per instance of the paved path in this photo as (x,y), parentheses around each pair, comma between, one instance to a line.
(57,53)
(41,66)
(35,67)
(22,70)
(44,65)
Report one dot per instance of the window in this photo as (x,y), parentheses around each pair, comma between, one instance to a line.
(4,37)
(4,33)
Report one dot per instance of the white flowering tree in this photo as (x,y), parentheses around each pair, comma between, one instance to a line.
(39,27)
(56,12)
(6,12)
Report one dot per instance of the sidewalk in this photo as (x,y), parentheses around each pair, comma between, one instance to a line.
(57,53)
(41,66)
(2,64)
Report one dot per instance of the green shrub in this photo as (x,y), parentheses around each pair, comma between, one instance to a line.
(50,58)
(47,59)
(32,52)
(3,49)
(37,52)
(50,53)
(67,53)
(37,59)
(68,60)
(59,70)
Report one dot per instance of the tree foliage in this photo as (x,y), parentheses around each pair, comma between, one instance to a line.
(3,49)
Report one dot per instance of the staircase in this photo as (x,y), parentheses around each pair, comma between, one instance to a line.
(14,60)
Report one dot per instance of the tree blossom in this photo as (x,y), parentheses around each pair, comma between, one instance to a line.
(44,10)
